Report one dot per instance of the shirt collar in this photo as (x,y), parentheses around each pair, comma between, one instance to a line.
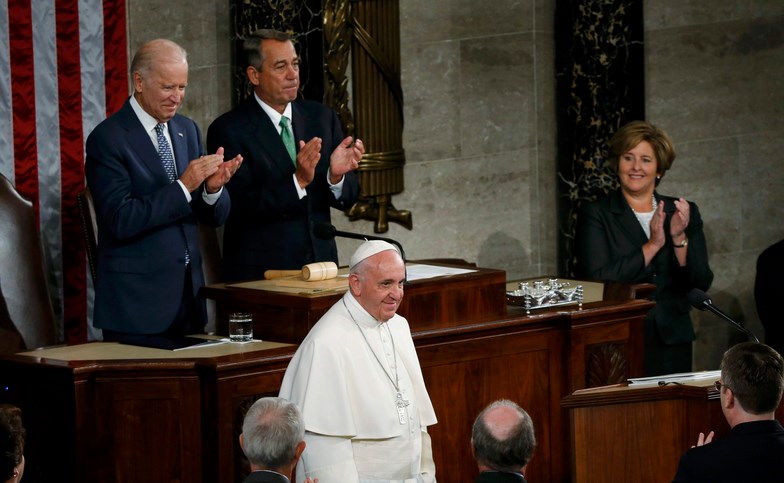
(148,122)
(272,113)
(361,315)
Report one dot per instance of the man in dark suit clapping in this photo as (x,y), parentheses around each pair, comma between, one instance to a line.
(152,183)
(297,166)
(751,385)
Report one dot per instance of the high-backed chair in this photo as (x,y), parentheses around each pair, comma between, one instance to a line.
(89,228)
(26,314)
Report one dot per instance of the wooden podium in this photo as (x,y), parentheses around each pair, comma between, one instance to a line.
(175,416)
(628,433)
(107,412)
(286,313)
(625,433)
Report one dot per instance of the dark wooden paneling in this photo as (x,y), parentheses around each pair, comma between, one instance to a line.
(179,419)
(433,303)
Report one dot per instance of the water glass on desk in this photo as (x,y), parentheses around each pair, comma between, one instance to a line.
(240,327)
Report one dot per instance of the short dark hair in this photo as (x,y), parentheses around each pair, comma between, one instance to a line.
(511,453)
(635,132)
(755,374)
(12,440)
(251,46)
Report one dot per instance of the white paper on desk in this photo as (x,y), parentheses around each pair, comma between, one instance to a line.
(681,378)
(419,271)
(207,342)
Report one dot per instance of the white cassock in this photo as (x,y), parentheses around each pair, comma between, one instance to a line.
(357,428)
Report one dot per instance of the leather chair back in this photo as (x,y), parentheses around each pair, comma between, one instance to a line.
(89,228)
(26,314)
(211,264)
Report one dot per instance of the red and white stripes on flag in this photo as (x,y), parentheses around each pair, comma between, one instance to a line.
(63,69)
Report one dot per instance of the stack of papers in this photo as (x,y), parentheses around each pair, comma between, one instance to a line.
(420,271)
(702,378)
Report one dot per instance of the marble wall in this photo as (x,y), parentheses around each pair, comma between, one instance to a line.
(480,137)
(714,71)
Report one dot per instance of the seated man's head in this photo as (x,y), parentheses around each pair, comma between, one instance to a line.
(12,440)
(502,438)
(752,381)
(273,434)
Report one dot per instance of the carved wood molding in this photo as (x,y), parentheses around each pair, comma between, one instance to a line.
(606,364)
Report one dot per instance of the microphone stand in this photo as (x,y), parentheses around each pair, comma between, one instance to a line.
(357,236)
(327,231)
(709,305)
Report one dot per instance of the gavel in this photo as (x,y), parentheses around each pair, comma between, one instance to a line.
(312,272)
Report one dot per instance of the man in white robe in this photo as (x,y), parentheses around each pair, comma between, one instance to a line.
(357,380)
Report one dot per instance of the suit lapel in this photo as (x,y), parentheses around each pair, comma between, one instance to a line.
(140,142)
(268,139)
(179,144)
(299,123)
(626,220)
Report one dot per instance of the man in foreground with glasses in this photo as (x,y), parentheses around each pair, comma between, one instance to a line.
(751,385)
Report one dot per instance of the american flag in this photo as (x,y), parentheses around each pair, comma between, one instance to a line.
(63,69)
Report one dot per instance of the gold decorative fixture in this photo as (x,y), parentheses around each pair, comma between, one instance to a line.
(368,31)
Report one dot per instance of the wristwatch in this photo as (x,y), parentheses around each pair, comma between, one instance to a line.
(682,244)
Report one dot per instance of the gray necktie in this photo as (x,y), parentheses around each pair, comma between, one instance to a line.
(288,139)
(165,152)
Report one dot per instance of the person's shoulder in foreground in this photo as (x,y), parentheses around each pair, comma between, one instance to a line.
(503,442)
(751,386)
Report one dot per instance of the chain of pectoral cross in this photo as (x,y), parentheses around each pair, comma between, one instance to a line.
(400,403)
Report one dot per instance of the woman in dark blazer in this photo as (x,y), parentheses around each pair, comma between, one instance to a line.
(637,235)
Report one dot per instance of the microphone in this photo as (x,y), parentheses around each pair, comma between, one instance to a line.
(700,301)
(327,231)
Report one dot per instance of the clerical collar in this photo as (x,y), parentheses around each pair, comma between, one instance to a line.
(361,316)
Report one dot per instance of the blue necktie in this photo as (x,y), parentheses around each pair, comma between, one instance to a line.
(165,152)
(167,158)
(288,139)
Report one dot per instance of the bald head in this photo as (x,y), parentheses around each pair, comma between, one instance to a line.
(501,420)
(503,437)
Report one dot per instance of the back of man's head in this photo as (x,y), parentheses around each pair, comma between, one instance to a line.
(754,373)
(271,433)
(503,437)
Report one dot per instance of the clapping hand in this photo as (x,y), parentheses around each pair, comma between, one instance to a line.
(702,440)
(346,157)
(680,219)
(307,158)
(209,168)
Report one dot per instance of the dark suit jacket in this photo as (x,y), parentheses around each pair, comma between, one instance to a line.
(269,226)
(265,476)
(499,477)
(753,452)
(770,266)
(144,223)
(609,248)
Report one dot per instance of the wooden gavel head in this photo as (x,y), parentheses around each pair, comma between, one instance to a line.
(314,272)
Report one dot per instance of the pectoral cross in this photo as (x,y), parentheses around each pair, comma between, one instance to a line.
(401,404)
